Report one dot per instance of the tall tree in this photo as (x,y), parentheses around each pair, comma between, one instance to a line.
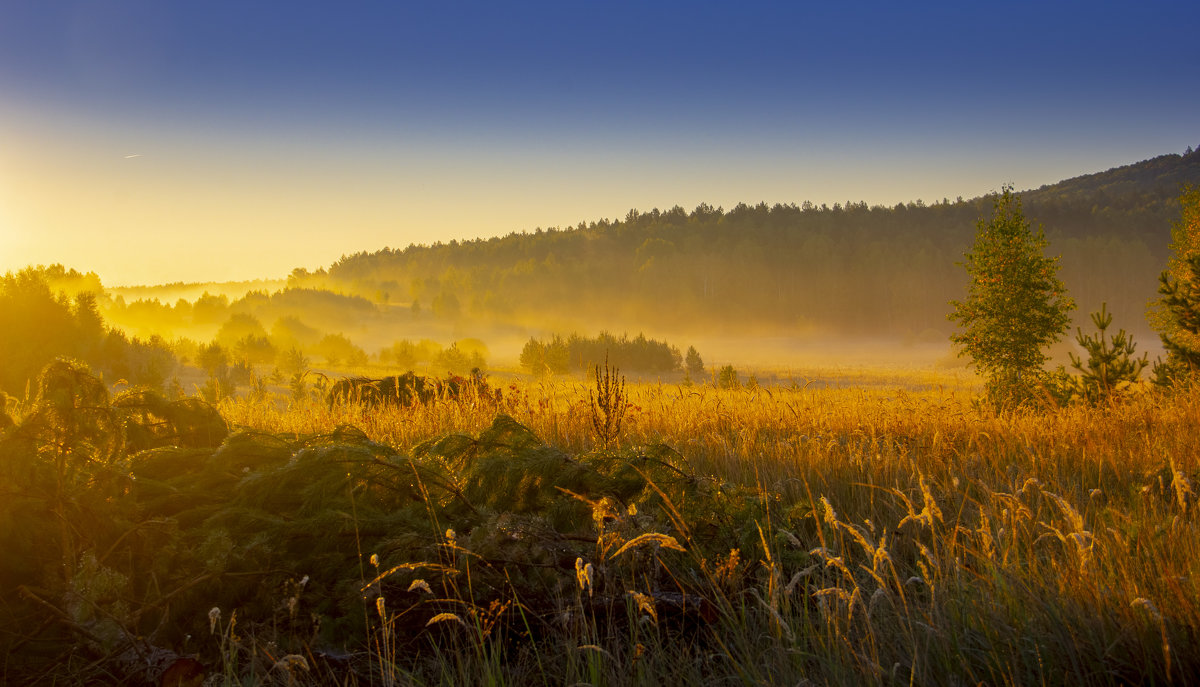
(1177,312)
(1015,305)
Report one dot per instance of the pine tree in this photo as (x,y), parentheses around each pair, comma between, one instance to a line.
(1110,364)
(1177,315)
(1015,305)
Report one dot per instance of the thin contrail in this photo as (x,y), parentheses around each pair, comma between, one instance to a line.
(132,156)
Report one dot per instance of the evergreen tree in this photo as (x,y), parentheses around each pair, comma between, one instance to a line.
(695,364)
(1015,305)
(1181,303)
(1177,315)
(1110,363)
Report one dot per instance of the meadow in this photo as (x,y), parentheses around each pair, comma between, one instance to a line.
(887,528)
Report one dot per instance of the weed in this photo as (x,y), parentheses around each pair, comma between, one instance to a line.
(608,403)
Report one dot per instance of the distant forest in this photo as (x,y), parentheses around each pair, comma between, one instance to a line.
(849,269)
(784,270)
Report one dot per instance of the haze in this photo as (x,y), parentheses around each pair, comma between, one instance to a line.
(159,142)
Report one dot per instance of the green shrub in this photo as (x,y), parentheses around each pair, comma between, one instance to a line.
(727,378)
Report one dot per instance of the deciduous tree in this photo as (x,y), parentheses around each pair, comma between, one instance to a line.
(1015,304)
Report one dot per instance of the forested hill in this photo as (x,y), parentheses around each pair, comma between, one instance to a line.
(1150,181)
(784,269)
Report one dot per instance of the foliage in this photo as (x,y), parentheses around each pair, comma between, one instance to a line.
(293,362)
(151,421)
(62,465)
(37,325)
(1181,301)
(639,354)
(255,350)
(137,362)
(401,354)
(1178,309)
(1015,304)
(843,268)
(1109,370)
(727,378)
(163,546)
(820,534)
(222,381)
(447,306)
(476,350)
(552,357)
(213,359)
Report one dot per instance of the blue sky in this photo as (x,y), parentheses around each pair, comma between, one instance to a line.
(256,137)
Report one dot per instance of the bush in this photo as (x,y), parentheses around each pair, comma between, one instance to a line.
(727,378)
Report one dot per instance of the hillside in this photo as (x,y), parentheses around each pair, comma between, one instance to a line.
(1144,182)
(785,269)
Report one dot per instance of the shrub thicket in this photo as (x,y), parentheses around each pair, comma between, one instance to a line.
(639,354)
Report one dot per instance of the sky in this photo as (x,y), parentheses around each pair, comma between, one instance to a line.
(154,142)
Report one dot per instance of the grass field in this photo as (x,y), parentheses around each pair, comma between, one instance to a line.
(888,532)
(915,536)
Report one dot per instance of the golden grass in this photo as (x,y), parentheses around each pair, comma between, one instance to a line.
(925,538)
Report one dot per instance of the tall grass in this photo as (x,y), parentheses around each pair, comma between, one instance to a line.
(905,534)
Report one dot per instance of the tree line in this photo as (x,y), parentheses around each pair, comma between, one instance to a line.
(559,355)
(850,268)
(39,323)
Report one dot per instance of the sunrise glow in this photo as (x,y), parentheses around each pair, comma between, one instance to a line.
(132,139)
